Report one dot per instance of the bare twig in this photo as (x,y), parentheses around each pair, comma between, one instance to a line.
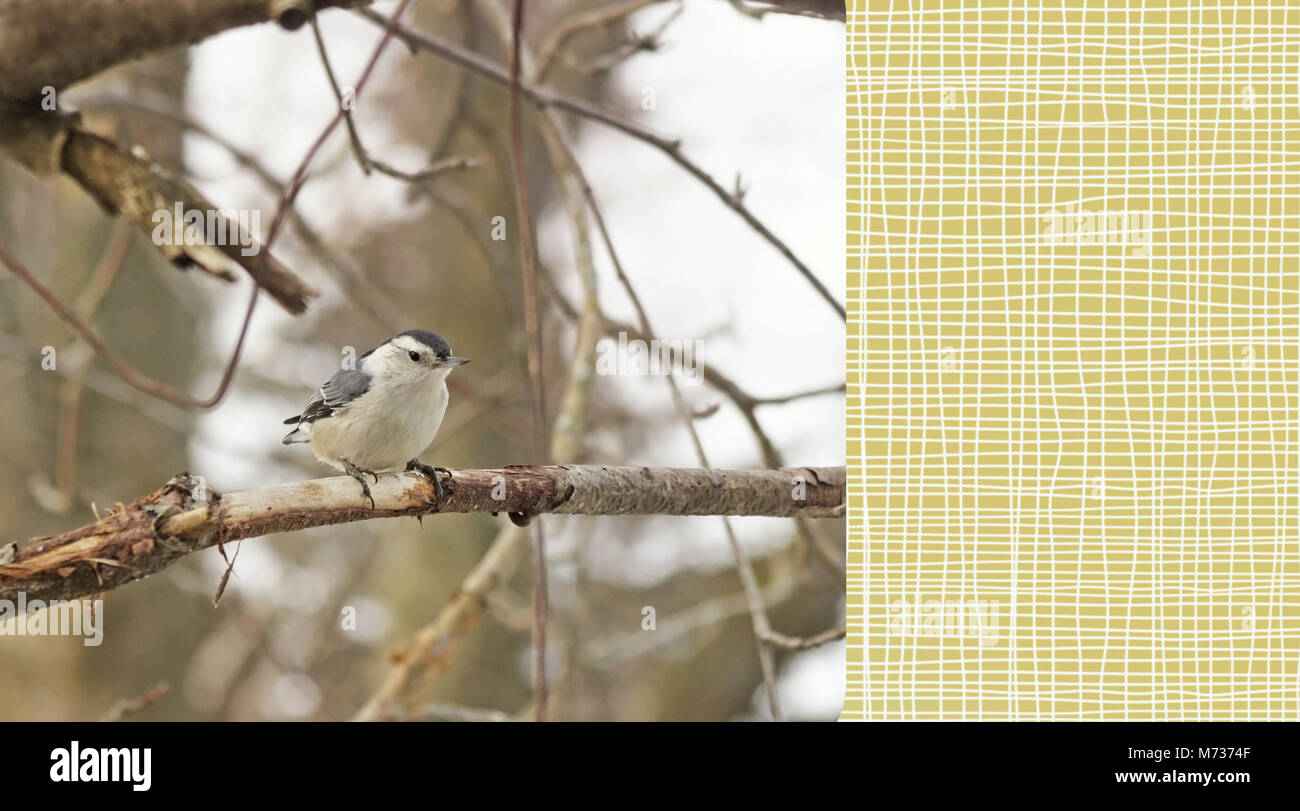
(533,326)
(804,642)
(757,609)
(817,9)
(165,413)
(345,106)
(560,35)
(618,649)
(745,402)
(129,373)
(86,305)
(548,97)
(837,388)
(368,162)
(438,167)
(300,175)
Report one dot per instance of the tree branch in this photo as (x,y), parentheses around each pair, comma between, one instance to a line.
(818,9)
(55,43)
(560,35)
(46,45)
(151,533)
(126,183)
(804,642)
(129,373)
(533,328)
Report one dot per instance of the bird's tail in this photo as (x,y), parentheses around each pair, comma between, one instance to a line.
(295,436)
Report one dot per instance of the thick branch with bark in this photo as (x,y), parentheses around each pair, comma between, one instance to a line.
(55,43)
(149,534)
(127,183)
(46,45)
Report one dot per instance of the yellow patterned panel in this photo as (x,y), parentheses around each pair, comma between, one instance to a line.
(1073,232)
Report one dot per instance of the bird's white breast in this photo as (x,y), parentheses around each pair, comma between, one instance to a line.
(385,428)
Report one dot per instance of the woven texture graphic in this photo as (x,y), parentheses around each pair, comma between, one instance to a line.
(1073,233)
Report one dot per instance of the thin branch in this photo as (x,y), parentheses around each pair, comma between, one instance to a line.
(438,167)
(757,609)
(804,643)
(527,244)
(369,163)
(548,97)
(156,530)
(816,9)
(129,373)
(344,106)
(86,305)
(163,412)
(743,401)
(615,650)
(300,174)
(533,326)
(837,388)
(560,35)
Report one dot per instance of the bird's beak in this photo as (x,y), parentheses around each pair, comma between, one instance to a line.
(454,361)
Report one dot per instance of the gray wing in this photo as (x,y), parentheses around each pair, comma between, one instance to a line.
(345,386)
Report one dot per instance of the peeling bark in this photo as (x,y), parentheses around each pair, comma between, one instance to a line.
(131,185)
(50,44)
(152,532)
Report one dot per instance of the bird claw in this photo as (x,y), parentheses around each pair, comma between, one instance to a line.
(365,489)
(360,474)
(431,472)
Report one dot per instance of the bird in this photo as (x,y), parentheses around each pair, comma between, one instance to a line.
(380,416)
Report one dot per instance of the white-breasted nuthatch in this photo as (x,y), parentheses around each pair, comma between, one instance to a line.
(380,416)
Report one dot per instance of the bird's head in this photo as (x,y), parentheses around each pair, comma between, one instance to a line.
(414,354)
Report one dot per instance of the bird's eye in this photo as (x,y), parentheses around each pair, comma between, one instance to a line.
(415,356)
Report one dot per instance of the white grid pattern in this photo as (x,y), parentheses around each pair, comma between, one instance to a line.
(1087,422)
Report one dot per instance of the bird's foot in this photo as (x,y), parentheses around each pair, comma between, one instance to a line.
(431,472)
(360,474)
